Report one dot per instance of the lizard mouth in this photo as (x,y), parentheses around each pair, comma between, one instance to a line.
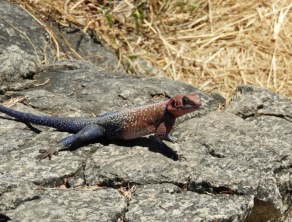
(195,107)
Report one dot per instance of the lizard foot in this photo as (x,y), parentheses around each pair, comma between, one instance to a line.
(48,152)
(170,139)
(181,157)
(178,157)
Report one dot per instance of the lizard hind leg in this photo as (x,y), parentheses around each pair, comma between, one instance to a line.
(89,132)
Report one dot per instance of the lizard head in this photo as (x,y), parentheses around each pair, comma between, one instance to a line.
(182,104)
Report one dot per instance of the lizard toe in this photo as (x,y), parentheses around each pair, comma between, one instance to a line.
(181,157)
(178,157)
(47,153)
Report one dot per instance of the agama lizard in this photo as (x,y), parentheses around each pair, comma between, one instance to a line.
(157,118)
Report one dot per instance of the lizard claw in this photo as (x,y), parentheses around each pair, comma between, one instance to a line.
(178,157)
(181,157)
(47,153)
(170,139)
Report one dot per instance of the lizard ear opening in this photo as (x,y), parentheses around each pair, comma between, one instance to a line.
(173,103)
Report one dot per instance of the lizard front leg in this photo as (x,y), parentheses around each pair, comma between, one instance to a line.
(168,151)
(89,132)
(162,132)
(169,138)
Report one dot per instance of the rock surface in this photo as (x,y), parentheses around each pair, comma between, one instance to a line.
(238,165)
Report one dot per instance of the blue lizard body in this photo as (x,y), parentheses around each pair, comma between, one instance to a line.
(156,118)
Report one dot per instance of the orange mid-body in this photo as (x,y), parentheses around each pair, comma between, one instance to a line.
(145,120)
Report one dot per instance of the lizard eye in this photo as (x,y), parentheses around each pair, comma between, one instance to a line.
(185,100)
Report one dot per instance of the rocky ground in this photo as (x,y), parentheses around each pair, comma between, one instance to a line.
(238,159)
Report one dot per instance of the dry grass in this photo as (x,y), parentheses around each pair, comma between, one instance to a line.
(213,45)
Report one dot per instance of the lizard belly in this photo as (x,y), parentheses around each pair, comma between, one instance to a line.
(135,133)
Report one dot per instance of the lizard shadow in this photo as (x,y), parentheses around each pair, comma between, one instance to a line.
(147,142)
(30,126)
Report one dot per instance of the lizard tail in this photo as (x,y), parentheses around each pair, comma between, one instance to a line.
(26,117)
(69,124)
(56,122)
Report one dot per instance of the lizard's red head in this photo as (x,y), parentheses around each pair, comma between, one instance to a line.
(182,104)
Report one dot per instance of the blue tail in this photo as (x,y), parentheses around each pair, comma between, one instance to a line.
(61,123)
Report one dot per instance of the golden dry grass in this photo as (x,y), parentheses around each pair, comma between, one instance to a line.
(213,45)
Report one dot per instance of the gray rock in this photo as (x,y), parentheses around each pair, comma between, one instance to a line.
(16,64)
(14,192)
(89,47)
(144,68)
(36,41)
(166,202)
(271,113)
(238,165)
(21,29)
(227,157)
(74,93)
(252,100)
(80,90)
(18,156)
(17,68)
(24,201)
